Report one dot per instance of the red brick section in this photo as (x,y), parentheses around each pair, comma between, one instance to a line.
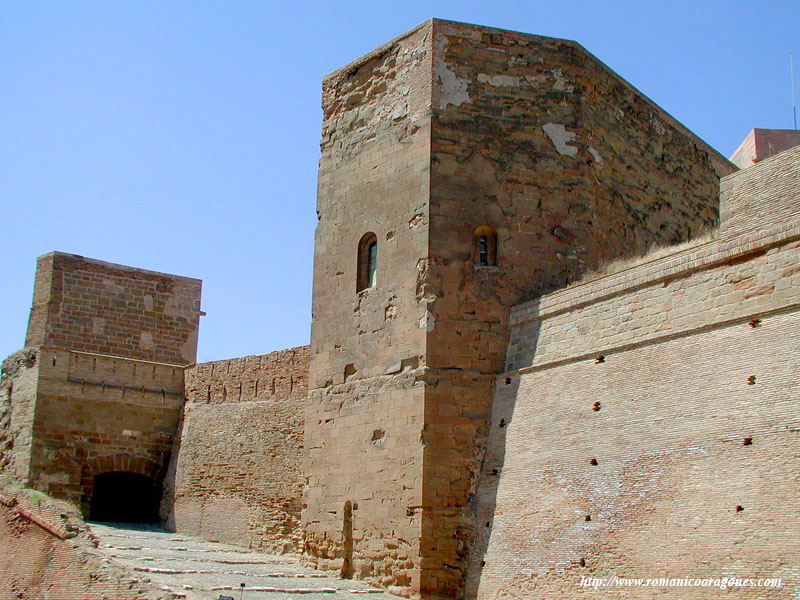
(764,143)
(94,306)
(237,473)
(48,553)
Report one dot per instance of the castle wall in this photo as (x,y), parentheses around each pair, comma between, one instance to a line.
(570,166)
(95,414)
(443,130)
(646,425)
(93,306)
(17,403)
(364,415)
(772,181)
(236,473)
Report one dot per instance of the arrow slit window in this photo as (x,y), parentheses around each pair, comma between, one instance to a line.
(367,262)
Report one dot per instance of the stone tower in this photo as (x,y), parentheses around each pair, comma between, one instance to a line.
(464,169)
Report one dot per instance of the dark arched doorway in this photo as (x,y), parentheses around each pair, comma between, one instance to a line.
(126,497)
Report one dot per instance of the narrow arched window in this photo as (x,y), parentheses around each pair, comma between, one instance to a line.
(367,274)
(485,252)
(372,263)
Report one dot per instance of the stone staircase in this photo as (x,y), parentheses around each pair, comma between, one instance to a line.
(196,569)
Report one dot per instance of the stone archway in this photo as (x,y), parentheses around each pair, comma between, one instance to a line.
(121,487)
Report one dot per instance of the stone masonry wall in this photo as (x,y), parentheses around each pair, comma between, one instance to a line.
(445,129)
(17,402)
(570,166)
(236,473)
(93,306)
(364,415)
(95,414)
(646,426)
(373,177)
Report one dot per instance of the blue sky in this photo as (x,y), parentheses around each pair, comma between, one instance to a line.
(184,136)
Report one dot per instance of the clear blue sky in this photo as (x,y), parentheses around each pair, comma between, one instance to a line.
(184,136)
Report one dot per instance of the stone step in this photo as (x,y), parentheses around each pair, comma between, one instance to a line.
(194,569)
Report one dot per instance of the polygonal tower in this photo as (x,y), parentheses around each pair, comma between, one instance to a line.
(464,169)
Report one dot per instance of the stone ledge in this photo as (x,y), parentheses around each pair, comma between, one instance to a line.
(646,341)
(676,266)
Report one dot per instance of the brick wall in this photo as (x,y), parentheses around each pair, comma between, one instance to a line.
(772,181)
(647,428)
(95,414)
(236,473)
(93,306)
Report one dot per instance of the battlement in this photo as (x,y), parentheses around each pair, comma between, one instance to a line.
(277,375)
(237,472)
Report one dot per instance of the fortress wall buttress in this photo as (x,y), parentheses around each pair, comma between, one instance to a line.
(646,425)
(236,473)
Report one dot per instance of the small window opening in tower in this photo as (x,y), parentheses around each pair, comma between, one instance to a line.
(367,270)
(372,263)
(485,240)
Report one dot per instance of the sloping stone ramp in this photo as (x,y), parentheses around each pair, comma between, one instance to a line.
(196,569)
